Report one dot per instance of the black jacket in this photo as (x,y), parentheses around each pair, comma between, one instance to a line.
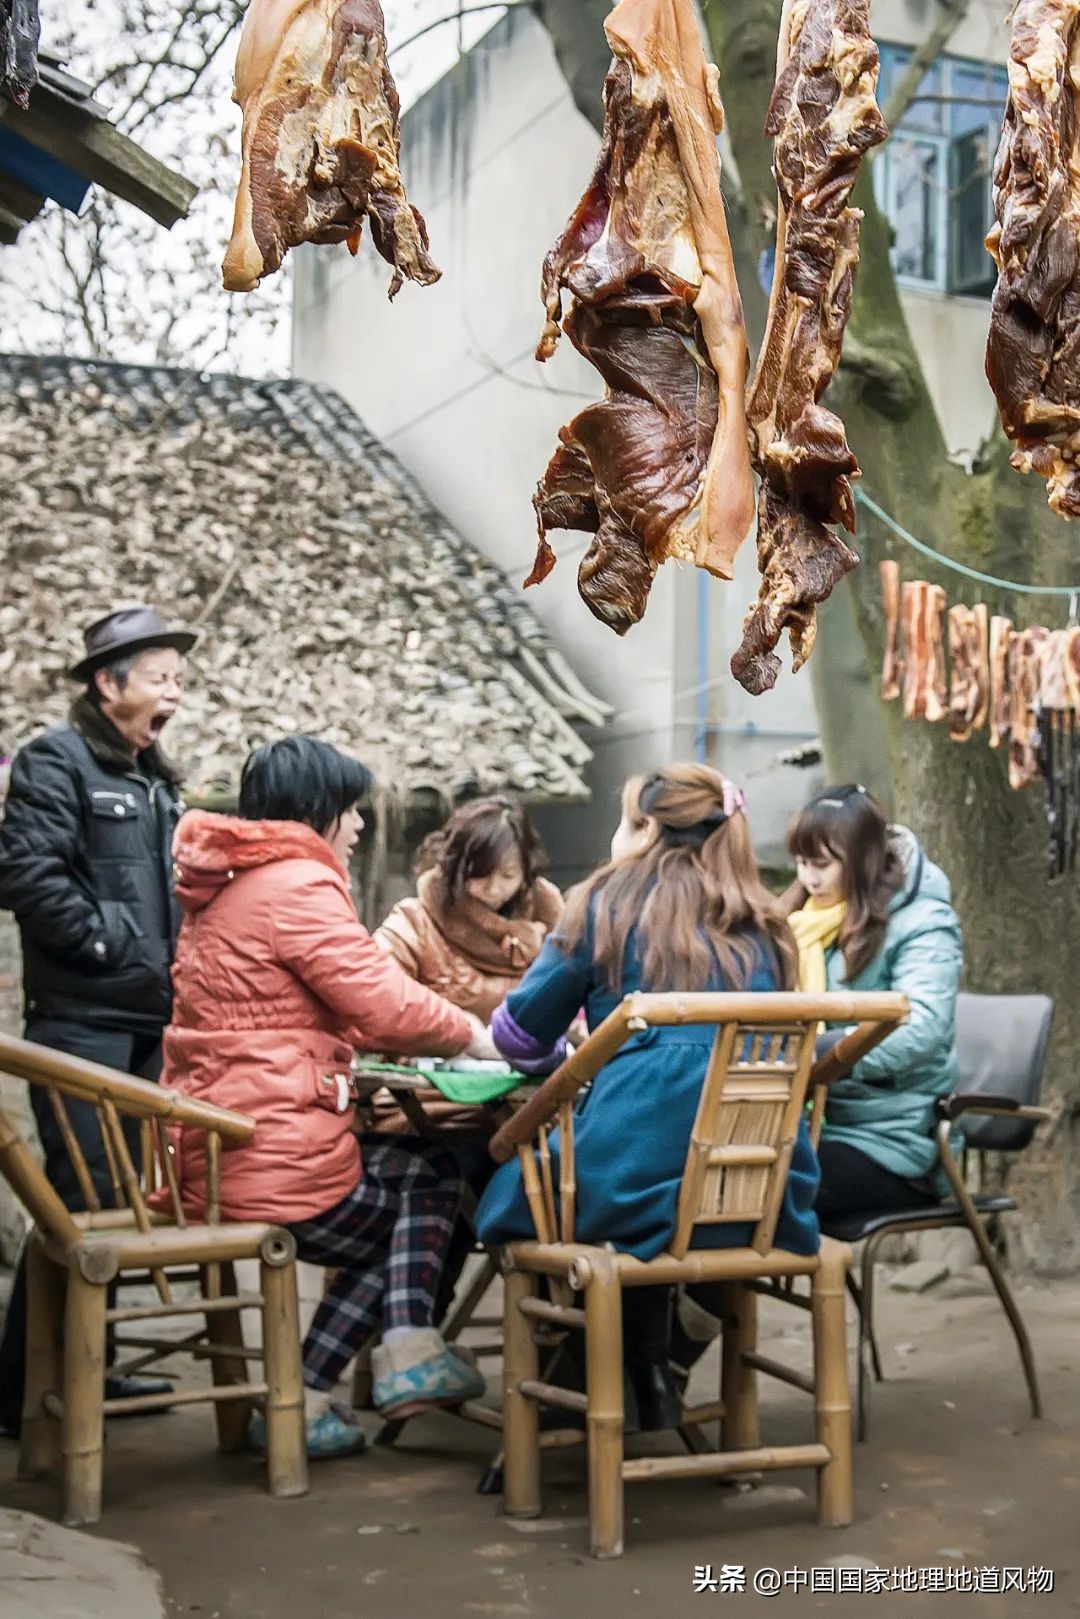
(86,866)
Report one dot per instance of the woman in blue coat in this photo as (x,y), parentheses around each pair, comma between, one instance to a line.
(876,914)
(679,906)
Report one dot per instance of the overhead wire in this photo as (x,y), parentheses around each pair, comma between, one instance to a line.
(863,499)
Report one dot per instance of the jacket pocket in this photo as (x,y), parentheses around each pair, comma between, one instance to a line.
(122,932)
(113,829)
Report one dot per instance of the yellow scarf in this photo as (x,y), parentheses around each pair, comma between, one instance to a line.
(816,927)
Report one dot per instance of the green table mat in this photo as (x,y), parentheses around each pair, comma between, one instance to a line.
(469,1090)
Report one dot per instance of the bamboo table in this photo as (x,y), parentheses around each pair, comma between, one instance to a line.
(407,1086)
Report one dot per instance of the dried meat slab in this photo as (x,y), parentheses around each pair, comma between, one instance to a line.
(1024,743)
(892,667)
(969,686)
(1002,642)
(823,117)
(20,29)
(659,467)
(321,143)
(923,613)
(1033,349)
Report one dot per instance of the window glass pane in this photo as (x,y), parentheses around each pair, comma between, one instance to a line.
(915,206)
(928,115)
(970,213)
(979,92)
(893,58)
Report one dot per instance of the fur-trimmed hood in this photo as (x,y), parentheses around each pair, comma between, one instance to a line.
(209,850)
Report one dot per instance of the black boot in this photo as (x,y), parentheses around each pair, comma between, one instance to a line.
(658,1403)
(646,1334)
(569,1373)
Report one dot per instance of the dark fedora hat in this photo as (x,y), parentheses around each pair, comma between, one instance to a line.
(129,629)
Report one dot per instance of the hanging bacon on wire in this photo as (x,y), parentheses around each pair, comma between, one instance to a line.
(1024,765)
(1053,671)
(1072,668)
(969,688)
(923,613)
(1002,636)
(823,117)
(892,669)
(1057,751)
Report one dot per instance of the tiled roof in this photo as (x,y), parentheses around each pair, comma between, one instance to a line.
(335,600)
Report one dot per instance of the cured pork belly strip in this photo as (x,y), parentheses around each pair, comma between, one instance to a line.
(969,689)
(1002,637)
(1033,350)
(20,30)
(1072,669)
(923,612)
(660,467)
(892,668)
(1024,743)
(1054,671)
(320,141)
(823,117)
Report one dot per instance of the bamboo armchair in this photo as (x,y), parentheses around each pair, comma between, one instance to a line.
(75,1262)
(754,1092)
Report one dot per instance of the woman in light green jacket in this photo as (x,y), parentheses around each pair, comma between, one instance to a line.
(876,914)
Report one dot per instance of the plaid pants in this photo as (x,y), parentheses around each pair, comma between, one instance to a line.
(387,1242)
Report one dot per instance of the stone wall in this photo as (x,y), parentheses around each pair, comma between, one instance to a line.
(13,1093)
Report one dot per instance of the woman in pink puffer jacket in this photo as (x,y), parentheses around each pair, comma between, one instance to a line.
(276,983)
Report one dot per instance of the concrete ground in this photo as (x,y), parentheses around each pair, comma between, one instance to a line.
(956,1475)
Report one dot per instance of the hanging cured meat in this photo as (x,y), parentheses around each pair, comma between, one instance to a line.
(320,141)
(969,687)
(1002,636)
(923,613)
(1024,766)
(1053,670)
(1072,669)
(1033,350)
(20,29)
(823,116)
(892,669)
(1059,746)
(660,467)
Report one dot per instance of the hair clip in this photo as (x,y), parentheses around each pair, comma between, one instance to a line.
(837,800)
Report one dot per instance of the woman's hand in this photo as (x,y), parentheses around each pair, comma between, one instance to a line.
(482,1047)
(578,1032)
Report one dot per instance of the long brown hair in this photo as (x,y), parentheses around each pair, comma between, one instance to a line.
(848,824)
(692,891)
(475,840)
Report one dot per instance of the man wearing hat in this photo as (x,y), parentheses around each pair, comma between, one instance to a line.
(86,866)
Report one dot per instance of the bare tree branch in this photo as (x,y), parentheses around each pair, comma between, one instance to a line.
(923,57)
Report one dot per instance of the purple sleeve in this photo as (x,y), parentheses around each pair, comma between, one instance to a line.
(528,1055)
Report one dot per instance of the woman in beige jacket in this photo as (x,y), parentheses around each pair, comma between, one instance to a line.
(481,913)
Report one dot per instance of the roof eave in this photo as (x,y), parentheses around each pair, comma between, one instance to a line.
(77,133)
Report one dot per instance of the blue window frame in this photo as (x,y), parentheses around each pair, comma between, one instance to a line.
(933,178)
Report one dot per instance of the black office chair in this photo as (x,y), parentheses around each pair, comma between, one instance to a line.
(1001,1048)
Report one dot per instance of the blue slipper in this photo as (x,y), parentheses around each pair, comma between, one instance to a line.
(420,1372)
